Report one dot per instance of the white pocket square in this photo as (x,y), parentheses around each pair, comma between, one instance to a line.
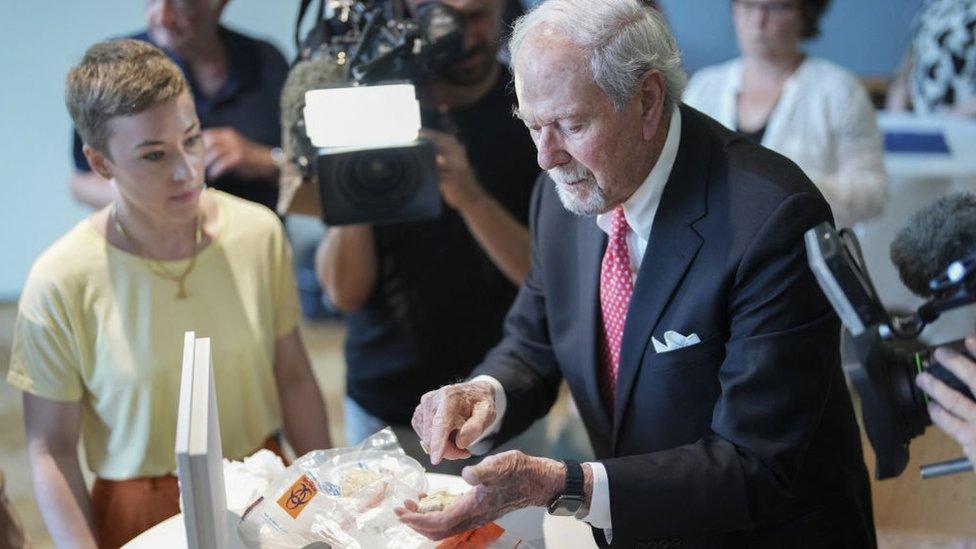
(673,341)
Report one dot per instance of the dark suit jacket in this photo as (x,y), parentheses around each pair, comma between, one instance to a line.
(745,439)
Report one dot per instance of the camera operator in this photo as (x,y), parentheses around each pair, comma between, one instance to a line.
(948,408)
(235,81)
(427,299)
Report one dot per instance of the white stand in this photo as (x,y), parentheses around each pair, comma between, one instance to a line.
(199,457)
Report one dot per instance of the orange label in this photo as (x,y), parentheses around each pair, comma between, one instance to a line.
(294,500)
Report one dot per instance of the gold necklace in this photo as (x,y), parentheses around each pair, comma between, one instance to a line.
(155,266)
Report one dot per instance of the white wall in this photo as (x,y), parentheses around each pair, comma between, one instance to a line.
(41,39)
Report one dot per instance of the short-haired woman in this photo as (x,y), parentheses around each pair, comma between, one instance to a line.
(808,109)
(98,338)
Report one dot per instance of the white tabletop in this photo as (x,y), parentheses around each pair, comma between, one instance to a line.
(960,136)
(533,525)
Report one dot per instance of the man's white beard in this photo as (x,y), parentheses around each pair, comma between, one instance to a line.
(583,198)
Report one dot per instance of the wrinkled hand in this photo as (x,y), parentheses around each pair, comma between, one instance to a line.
(950,409)
(449,419)
(502,483)
(226,150)
(458,184)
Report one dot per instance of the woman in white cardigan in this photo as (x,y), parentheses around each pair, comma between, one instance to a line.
(807,109)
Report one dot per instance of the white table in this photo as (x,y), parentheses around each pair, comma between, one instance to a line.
(960,136)
(533,525)
(916,180)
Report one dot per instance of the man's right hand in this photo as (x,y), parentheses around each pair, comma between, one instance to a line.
(451,418)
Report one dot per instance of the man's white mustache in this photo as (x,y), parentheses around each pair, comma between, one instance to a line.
(570,173)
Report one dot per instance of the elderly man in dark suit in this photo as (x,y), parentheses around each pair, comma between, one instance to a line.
(700,351)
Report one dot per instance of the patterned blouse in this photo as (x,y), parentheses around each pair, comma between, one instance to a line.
(944,47)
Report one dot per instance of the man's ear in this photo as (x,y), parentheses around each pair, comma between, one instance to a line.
(652,91)
(98,161)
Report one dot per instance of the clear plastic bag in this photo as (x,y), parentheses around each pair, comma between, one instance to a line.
(344,498)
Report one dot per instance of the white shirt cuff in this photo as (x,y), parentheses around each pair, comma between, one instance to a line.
(483,444)
(599,514)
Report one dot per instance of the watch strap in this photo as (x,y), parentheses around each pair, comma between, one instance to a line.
(574,479)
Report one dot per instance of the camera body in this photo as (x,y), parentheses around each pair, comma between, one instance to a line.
(378,181)
(894,409)
(372,185)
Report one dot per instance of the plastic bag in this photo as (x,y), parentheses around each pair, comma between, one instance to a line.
(344,498)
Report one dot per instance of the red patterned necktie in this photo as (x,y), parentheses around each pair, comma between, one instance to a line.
(615,289)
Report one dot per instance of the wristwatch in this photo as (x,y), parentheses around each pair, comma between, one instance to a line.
(570,501)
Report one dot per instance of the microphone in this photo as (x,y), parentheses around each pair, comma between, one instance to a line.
(935,236)
(295,195)
(313,74)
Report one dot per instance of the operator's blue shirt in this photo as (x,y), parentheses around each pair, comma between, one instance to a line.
(249,102)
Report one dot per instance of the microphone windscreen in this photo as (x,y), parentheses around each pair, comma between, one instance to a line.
(297,193)
(935,236)
(318,73)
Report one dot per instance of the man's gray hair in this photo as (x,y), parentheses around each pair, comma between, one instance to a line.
(623,39)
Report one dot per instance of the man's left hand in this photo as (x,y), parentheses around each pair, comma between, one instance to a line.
(459,186)
(502,483)
(226,150)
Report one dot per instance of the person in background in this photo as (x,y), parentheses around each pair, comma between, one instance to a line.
(805,108)
(938,71)
(235,83)
(949,409)
(425,300)
(98,339)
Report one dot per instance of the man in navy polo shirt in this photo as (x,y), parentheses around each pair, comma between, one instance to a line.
(236,83)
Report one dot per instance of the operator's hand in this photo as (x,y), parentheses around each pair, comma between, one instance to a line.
(449,419)
(226,150)
(950,409)
(459,186)
(502,483)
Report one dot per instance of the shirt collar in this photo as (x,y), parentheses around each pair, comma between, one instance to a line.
(241,68)
(640,208)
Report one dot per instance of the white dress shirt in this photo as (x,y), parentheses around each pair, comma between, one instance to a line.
(639,211)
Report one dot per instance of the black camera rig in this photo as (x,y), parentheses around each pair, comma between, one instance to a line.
(377,42)
(894,409)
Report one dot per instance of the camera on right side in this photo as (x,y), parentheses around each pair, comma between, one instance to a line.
(935,255)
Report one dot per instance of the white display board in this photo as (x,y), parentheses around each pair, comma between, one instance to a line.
(199,457)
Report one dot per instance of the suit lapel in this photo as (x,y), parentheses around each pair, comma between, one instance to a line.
(591,243)
(672,247)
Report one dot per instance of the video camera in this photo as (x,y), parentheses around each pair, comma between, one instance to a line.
(894,409)
(359,135)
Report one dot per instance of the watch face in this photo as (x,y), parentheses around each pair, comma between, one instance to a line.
(565,506)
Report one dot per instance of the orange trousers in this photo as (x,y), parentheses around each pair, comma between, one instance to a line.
(123,509)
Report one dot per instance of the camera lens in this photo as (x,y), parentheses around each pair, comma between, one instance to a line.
(377,173)
(894,408)
(377,181)
(379,185)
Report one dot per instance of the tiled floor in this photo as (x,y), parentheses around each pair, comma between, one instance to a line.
(909,512)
